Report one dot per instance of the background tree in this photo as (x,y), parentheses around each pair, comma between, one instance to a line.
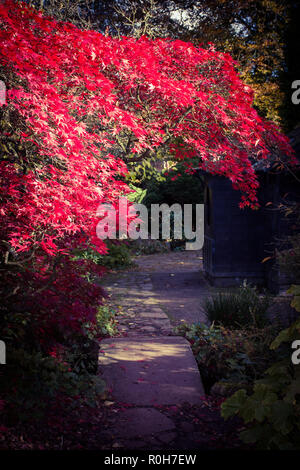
(260,34)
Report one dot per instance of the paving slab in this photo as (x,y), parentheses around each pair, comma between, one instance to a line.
(140,422)
(154,314)
(145,371)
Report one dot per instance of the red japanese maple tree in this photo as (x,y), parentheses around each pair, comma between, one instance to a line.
(80,105)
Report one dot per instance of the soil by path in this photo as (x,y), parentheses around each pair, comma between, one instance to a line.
(155,394)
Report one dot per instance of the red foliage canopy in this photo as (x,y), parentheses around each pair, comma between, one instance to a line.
(83,102)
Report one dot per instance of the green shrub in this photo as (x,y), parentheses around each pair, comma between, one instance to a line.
(83,352)
(66,369)
(106,321)
(138,195)
(272,412)
(295,291)
(174,186)
(238,309)
(147,247)
(288,252)
(31,381)
(118,255)
(106,325)
(233,356)
(289,259)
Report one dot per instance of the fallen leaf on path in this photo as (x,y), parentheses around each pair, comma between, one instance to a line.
(117,445)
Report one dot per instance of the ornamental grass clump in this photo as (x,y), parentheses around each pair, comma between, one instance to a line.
(238,309)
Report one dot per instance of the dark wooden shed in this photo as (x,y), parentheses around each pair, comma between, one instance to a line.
(236,241)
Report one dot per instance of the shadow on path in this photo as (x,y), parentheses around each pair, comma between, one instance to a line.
(155,393)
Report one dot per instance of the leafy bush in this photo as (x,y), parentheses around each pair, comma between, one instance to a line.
(49,355)
(295,291)
(82,353)
(272,411)
(147,247)
(176,187)
(238,309)
(170,187)
(288,252)
(289,259)
(138,195)
(32,380)
(106,322)
(141,174)
(232,356)
(118,255)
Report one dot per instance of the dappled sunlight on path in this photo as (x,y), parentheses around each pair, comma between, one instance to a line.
(150,371)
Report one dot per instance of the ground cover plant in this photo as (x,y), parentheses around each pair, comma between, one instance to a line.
(230,357)
(271,412)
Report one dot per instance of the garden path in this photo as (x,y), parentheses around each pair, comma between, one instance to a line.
(155,391)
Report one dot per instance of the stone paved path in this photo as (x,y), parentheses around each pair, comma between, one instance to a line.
(151,372)
(141,311)
(171,283)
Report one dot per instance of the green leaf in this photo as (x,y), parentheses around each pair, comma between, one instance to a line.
(293,388)
(287,335)
(250,436)
(280,417)
(258,405)
(295,290)
(233,404)
(262,394)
